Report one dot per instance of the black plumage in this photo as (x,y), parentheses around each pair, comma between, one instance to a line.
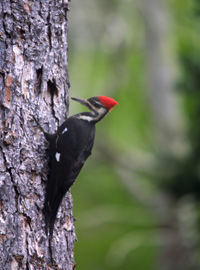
(69,148)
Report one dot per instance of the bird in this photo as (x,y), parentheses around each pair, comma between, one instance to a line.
(69,148)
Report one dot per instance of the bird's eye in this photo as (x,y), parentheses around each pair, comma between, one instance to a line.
(95,103)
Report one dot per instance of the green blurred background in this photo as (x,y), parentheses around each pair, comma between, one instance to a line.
(137,199)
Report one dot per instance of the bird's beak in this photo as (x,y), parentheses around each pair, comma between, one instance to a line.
(80,100)
(83,102)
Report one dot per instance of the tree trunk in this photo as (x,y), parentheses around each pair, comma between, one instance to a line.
(167,120)
(33,81)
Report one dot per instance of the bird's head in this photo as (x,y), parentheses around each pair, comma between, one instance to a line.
(99,106)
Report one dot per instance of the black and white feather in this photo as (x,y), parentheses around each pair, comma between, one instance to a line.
(69,149)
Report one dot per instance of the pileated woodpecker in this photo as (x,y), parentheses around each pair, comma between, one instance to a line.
(69,147)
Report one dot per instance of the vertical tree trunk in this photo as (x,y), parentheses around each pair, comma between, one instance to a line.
(33,81)
(169,128)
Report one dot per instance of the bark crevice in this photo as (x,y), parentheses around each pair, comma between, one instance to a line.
(33,81)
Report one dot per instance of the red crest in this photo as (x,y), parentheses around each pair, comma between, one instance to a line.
(108,102)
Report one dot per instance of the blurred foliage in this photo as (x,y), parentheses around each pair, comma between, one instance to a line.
(115,196)
(186,176)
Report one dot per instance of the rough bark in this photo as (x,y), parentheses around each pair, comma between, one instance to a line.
(33,80)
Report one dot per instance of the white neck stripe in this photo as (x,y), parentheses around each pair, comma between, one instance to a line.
(100,112)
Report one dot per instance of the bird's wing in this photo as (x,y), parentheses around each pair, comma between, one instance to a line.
(68,153)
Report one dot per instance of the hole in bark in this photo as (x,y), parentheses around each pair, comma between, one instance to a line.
(39,73)
(21,32)
(51,86)
(28,219)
